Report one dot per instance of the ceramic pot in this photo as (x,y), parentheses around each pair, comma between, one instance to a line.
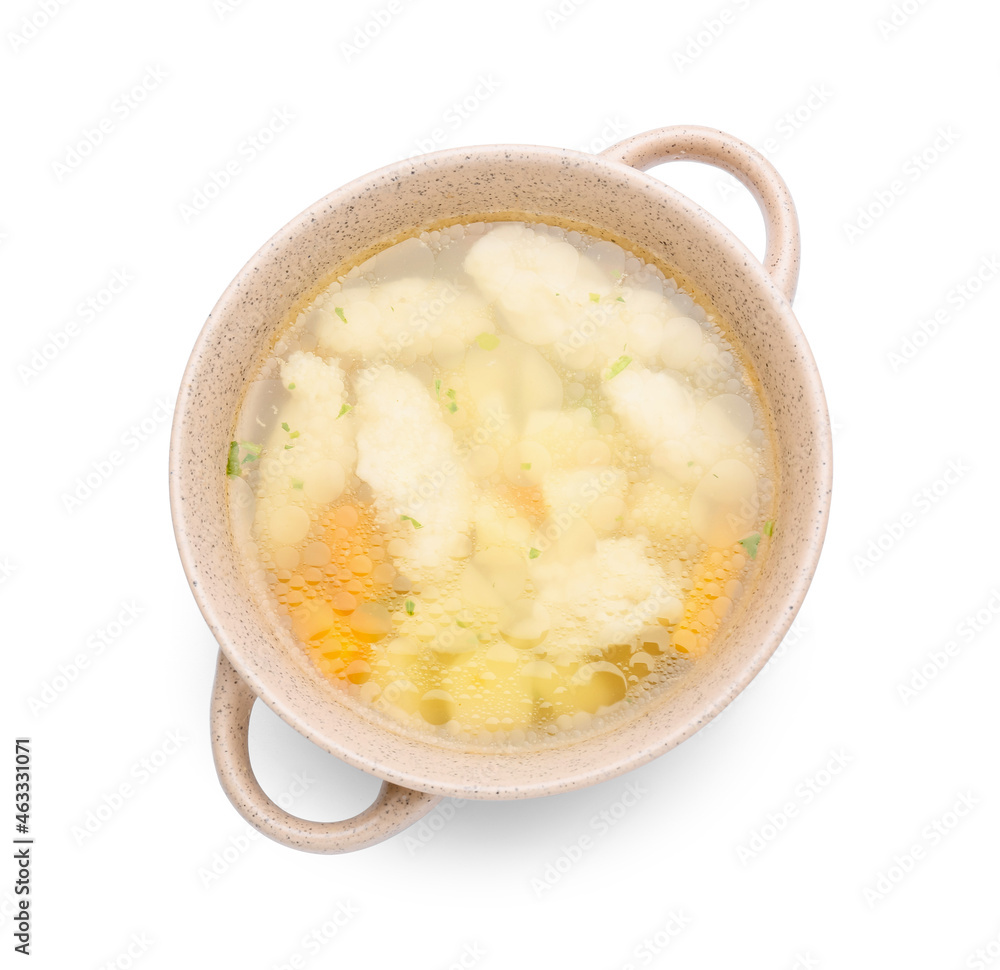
(611,193)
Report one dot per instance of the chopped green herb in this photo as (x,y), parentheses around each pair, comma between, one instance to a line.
(690,463)
(714,475)
(451,393)
(437,387)
(595,297)
(252,451)
(409,518)
(453,407)
(533,553)
(339,310)
(526,466)
(233,462)
(750,543)
(769,527)
(291,386)
(618,366)
(293,434)
(618,275)
(488,341)
(247,458)
(410,607)
(289,447)
(620,299)
(344,408)
(297,483)
(284,426)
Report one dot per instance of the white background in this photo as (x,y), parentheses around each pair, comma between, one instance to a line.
(697,847)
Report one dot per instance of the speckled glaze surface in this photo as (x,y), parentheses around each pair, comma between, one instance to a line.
(610,193)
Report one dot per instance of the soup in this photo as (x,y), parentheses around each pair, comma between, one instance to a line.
(502,481)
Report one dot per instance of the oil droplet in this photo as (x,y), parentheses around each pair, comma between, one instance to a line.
(315,554)
(371,621)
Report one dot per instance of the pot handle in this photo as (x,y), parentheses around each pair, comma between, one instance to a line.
(696,144)
(393,810)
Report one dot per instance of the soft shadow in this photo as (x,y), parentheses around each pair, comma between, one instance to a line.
(316,784)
